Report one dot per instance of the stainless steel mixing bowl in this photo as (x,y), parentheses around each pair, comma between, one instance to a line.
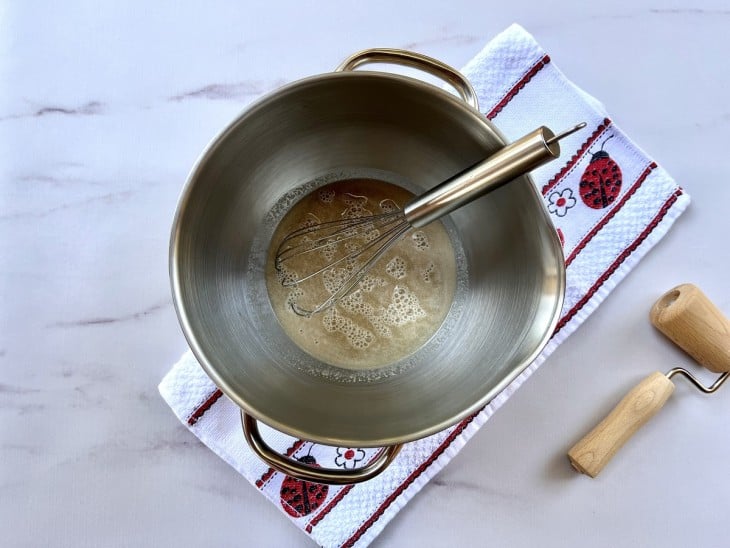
(322,128)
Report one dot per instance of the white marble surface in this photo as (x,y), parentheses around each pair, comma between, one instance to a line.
(103,109)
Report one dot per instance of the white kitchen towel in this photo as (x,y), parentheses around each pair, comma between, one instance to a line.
(610,204)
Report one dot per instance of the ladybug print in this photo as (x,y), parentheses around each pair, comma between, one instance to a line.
(601,180)
(300,498)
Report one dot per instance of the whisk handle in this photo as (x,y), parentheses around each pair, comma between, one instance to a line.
(515,159)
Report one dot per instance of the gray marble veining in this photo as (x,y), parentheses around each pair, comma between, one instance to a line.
(103,110)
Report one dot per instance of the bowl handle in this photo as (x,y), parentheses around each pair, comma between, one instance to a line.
(414,60)
(305,472)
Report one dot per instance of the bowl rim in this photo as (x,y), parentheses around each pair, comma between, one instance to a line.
(220,381)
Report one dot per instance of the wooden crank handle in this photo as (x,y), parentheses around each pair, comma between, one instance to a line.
(693,322)
(596,449)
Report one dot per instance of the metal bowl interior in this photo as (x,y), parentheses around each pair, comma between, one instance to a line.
(329,124)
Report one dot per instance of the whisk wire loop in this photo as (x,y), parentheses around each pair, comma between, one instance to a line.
(297,242)
(381,245)
(282,257)
(370,237)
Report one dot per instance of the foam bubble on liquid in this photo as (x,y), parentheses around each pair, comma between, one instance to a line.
(358,337)
(380,325)
(388,315)
(310,219)
(286,276)
(404,308)
(348,233)
(355,206)
(420,240)
(370,235)
(293,297)
(355,304)
(388,206)
(426,274)
(396,268)
(329,251)
(326,195)
(333,279)
(370,282)
(351,265)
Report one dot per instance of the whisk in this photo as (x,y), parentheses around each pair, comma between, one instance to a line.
(366,239)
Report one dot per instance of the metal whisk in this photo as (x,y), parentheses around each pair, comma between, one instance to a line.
(366,239)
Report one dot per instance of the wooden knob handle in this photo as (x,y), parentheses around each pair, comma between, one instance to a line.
(694,323)
(596,449)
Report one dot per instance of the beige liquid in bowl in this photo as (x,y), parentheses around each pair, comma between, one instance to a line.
(396,309)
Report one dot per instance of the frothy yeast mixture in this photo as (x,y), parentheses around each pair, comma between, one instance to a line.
(396,308)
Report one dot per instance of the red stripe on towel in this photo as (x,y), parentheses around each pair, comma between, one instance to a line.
(588,237)
(576,157)
(620,259)
(208,403)
(460,428)
(402,487)
(335,500)
(330,505)
(203,407)
(518,86)
(266,476)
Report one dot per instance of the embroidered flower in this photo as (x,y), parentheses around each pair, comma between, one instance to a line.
(348,457)
(560,202)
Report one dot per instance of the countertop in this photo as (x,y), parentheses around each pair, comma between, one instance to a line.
(104,108)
